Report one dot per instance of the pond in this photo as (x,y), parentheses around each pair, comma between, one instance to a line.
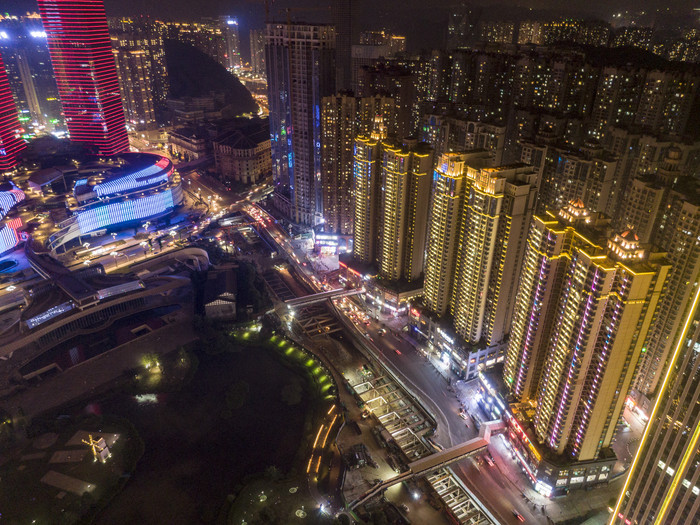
(199,446)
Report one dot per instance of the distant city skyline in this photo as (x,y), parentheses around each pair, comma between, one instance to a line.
(395,15)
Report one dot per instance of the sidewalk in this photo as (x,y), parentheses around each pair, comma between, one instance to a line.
(576,504)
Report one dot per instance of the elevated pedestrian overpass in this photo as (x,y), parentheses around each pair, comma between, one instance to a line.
(434,462)
(319,297)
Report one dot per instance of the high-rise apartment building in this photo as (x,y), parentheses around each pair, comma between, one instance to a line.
(300,61)
(343,119)
(450,184)
(403,209)
(592,33)
(145,35)
(134,69)
(463,26)
(565,174)
(398,83)
(633,37)
(661,203)
(479,217)
(80,48)
(663,484)
(497,32)
(257,52)
(531,32)
(585,303)
(588,307)
(448,129)
(392,193)
(229,27)
(11,143)
(536,300)
(495,221)
(678,235)
(366,187)
(339,129)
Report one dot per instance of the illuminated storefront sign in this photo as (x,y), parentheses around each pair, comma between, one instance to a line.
(49,314)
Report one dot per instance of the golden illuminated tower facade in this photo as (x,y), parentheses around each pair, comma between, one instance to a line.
(604,298)
(450,183)
(495,219)
(663,485)
(366,187)
(404,199)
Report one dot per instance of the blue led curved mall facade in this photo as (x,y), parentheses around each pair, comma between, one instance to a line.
(150,176)
(122,201)
(118,213)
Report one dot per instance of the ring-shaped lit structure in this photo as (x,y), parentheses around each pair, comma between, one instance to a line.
(142,187)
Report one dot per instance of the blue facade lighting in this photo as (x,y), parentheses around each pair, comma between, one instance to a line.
(141,179)
(125,211)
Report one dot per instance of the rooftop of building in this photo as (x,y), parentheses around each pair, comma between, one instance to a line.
(244,138)
(45,176)
(399,286)
(357,266)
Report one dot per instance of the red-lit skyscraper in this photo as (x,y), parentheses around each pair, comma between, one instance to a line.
(83,63)
(10,142)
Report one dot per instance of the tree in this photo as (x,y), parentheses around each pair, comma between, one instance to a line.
(291,393)
(237,395)
(273,473)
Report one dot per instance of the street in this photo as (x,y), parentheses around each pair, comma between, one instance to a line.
(503,487)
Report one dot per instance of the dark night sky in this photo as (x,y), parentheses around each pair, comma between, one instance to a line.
(423,21)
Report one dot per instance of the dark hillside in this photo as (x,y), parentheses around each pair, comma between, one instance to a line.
(193,73)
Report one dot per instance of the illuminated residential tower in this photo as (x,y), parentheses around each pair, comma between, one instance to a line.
(450,184)
(134,66)
(663,485)
(344,118)
(11,144)
(366,180)
(593,328)
(300,62)
(496,216)
(81,53)
(392,194)
(403,210)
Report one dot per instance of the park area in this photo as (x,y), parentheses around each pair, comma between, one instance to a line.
(54,476)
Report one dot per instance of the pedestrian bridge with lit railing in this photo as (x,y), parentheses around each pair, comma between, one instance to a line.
(428,464)
(462,503)
(322,296)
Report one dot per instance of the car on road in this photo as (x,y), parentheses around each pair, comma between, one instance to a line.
(463,415)
(381,331)
(518,515)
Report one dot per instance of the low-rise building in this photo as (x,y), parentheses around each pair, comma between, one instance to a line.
(189,142)
(244,154)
